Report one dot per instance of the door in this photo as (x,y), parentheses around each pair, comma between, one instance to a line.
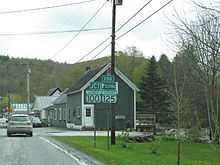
(89,115)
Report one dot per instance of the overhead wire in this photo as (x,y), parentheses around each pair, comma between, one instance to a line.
(115,32)
(54,32)
(133,16)
(137,25)
(144,20)
(80,30)
(93,50)
(44,8)
(101,51)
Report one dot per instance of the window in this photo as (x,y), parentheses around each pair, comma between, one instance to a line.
(78,112)
(88,112)
(55,114)
(69,114)
(60,114)
(51,114)
(64,114)
(74,111)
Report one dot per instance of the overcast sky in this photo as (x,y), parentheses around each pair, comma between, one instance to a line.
(150,37)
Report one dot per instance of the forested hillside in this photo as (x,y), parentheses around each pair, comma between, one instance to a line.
(44,75)
(48,74)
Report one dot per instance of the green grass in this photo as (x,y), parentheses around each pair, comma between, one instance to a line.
(140,153)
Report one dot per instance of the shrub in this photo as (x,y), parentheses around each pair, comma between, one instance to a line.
(154,147)
(195,133)
(124,137)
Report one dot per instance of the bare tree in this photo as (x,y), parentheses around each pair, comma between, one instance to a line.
(179,107)
(204,35)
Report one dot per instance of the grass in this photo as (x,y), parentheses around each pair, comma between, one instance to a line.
(140,153)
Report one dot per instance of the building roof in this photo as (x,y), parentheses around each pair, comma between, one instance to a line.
(42,102)
(84,80)
(52,91)
(62,98)
(92,75)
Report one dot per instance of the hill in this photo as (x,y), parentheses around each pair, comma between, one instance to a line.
(47,74)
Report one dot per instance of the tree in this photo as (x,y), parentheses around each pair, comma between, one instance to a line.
(154,92)
(178,107)
(165,67)
(204,35)
(128,60)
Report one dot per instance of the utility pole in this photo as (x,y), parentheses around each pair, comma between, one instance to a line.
(1,111)
(114,3)
(28,88)
(9,103)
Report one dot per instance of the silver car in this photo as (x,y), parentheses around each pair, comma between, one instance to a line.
(3,122)
(20,124)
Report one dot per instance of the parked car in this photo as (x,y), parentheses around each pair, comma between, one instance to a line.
(36,122)
(3,122)
(20,124)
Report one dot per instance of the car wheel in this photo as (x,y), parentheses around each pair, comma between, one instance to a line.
(8,134)
(30,134)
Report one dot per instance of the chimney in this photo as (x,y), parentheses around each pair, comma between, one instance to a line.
(88,68)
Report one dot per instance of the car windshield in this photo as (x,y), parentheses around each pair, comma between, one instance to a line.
(36,119)
(20,118)
(2,119)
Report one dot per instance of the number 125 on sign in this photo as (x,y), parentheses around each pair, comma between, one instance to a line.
(109,98)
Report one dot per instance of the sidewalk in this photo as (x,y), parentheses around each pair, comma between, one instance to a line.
(58,131)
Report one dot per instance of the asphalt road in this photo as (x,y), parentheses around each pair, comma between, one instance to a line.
(38,150)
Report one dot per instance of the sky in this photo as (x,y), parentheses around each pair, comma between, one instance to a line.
(18,30)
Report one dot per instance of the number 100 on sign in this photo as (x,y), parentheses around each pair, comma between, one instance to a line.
(101,98)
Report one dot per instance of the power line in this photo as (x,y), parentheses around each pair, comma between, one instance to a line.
(116,32)
(101,51)
(80,30)
(44,8)
(94,49)
(144,20)
(53,32)
(134,15)
(135,25)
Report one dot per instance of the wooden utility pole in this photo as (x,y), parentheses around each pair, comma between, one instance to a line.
(113,69)
(28,88)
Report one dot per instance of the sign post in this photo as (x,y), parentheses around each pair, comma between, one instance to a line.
(102,92)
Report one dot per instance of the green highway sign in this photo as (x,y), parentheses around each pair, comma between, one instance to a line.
(113,86)
(102,92)
(108,78)
(109,92)
(95,85)
(93,98)
(109,98)
(109,86)
(101,98)
(93,92)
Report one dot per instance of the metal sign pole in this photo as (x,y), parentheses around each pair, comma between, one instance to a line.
(94,140)
(108,127)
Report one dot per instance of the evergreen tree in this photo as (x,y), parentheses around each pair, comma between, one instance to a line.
(154,93)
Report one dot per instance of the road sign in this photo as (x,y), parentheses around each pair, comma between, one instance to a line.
(95,85)
(109,92)
(93,92)
(108,78)
(102,92)
(9,109)
(109,98)
(101,98)
(109,86)
(93,98)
